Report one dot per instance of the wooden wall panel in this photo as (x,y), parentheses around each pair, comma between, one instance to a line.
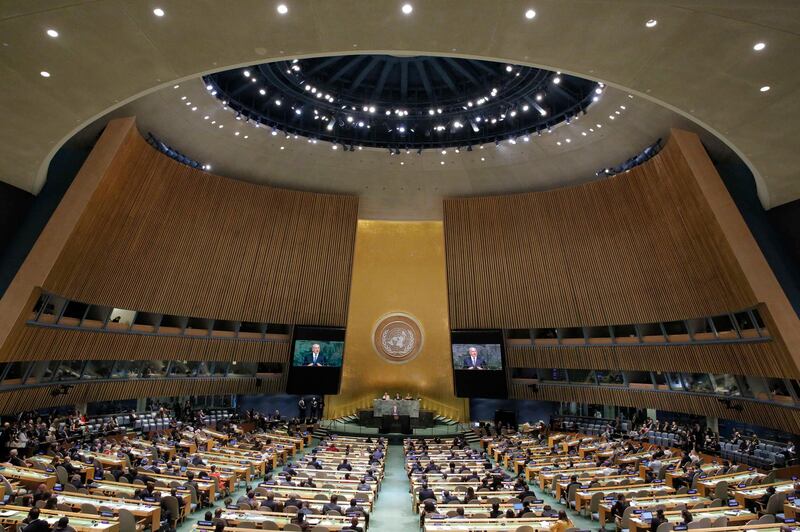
(762,414)
(639,247)
(160,236)
(764,358)
(40,396)
(50,343)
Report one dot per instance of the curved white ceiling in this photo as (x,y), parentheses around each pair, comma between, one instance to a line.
(406,186)
(698,59)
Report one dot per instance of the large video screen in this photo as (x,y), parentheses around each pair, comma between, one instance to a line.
(317,354)
(480,357)
(478,363)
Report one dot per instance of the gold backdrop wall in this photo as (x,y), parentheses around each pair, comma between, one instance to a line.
(398,267)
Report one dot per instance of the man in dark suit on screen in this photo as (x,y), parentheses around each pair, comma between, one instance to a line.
(314,358)
(473,360)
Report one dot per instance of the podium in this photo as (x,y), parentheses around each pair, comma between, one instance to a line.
(398,424)
(405,407)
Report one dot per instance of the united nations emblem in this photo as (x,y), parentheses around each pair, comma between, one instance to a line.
(397,337)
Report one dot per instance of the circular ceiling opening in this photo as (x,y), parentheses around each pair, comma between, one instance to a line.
(411,103)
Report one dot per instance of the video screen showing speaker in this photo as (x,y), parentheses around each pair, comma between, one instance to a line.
(317,354)
(478,363)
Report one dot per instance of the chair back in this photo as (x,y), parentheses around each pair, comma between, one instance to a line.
(62,475)
(172,505)
(269,525)
(594,502)
(716,503)
(775,503)
(87,508)
(720,522)
(127,522)
(664,527)
(524,528)
(291,527)
(766,519)
(721,490)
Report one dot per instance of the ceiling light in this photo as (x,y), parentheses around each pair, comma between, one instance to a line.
(757,46)
(278,103)
(509,69)
(765,88)
(221,126)
(525,107)
(194,108)
(568,140)
(183,97)
(444,152)
(651,23)
(622,107)
(595,98)
(558,143)
(158,12)
(360,148)
(334,147)
(530,14)
(298,111)
(513,113)
(372,109)
(237,133)
(44,74)
(205,117)
(441,162)
(349,119)
(542,112)
(483,158)
(526,138)
(599,126)
(52,33)
(612,117)
(407,9)
(282,147)
(274,132)
(282,9)
(246,73)
(175,86)
(583,133)
(539,97)
(557,80)
(439,110)
(262,92)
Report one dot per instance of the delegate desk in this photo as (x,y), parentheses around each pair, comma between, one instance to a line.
(12,516)
(28,476)
(667,502)
(255,517)
(141,510)
(735,517)
(405,407)
(583,496)
(486,524)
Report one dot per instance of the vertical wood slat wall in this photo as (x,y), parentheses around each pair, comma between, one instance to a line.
(46,343)
(162,237)
(635,248)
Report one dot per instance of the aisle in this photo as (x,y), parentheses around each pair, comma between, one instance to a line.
(392,511)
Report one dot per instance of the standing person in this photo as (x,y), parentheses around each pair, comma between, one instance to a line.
(301,405)
(314,407)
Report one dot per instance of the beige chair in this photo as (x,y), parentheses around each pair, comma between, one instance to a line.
(40,503)
(63,476)
(524,528)
(291,527)
(247,524)
(320,528)
(664,527)
(245,506)
(269,525)
(720,522)
(290,509)
(87,508)
(127,522)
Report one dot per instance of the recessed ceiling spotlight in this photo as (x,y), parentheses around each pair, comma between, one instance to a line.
(543,112)
(530,14)
(176,86)
(757,46)
(765,88)
(583,133)
(282,9)
(221,126)
(274,133)
(246,73)
(483,158)
(247,136)
(407,9)
(44,74)
(278,103)
(282,147)
(360,147)
(194,108)
(262,92)
(651,23)
(508,68)
(372,109)
(205,117)
(444,152)
(539,97)
(52,33)
(611,117)
(441,162)
(558,143)
(183,97)
(622,107)
(334,147)
(237,133)
(568,140)
(158,12)
(557,80)
(525,107)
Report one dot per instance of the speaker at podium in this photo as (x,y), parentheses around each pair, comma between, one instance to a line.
(395,424)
